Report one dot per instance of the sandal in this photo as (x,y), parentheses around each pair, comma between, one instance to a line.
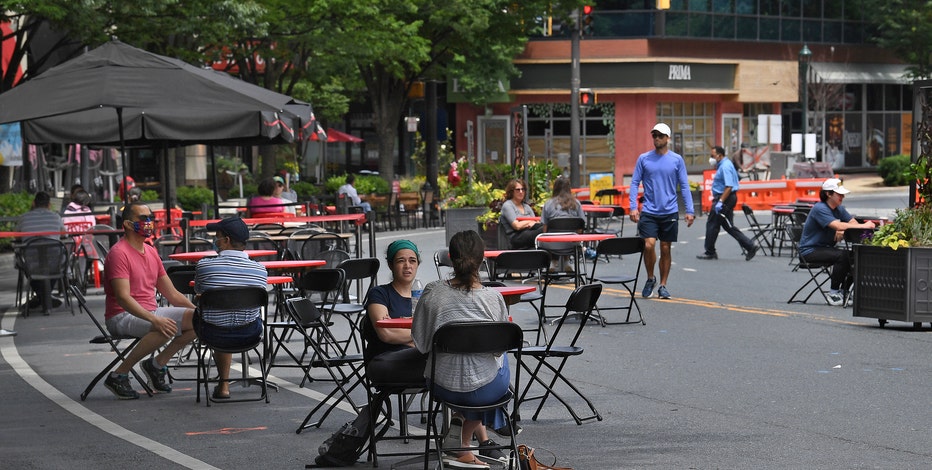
(219,396)
(466,461)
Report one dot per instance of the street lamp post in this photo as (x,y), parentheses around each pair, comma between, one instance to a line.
(805,57)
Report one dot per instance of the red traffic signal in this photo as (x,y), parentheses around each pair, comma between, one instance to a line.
(586,98)
(586,28)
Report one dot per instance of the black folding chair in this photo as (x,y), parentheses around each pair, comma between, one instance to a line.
(761,233)
(306,320)
(358,271)
(112,341)
(580,303)
(232,298)
(819,272)
(529,261)
(45,260)
(628,279)
(468,338)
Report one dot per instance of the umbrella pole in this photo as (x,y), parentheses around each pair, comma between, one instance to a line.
(213,169)
(123,155)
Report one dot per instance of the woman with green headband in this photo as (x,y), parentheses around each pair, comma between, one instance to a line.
(392,350)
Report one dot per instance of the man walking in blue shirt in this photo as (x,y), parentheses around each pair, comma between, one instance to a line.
(661,171)
(724,198)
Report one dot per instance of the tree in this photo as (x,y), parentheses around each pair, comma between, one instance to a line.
(395,43)
(905,27)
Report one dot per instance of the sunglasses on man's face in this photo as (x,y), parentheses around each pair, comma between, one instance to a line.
(657,135)
(145,219)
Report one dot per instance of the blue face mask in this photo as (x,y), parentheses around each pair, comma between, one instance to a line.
(144,227)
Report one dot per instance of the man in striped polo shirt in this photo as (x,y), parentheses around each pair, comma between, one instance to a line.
(232,268)
(41,219)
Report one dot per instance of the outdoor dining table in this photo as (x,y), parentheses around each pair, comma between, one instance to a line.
(594,212)
(195,256)
(512,295)
(579,239)
(293,266)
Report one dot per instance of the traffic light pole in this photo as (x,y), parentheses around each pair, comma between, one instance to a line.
(575,157)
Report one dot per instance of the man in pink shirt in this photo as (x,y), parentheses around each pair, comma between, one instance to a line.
(133,272)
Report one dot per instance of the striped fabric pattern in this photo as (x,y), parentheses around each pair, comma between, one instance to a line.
(232,268)
(41,220)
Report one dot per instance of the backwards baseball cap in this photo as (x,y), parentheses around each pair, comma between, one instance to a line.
(234,227)
(279,179)
(834,184)
(661,128)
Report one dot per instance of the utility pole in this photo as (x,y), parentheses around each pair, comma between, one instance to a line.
(575,157)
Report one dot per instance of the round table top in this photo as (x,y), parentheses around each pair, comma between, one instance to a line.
(198,255)
(296,264)
(595,208)
(272,280)
(405,322)
(575,237)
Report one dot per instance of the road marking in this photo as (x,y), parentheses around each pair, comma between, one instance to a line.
(11,356)
(734,308)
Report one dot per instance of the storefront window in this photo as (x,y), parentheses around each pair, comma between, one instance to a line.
(693,130)
(549,136)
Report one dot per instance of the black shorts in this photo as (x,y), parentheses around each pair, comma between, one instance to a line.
(662,227)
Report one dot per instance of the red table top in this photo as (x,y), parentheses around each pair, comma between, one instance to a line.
(595,208)
(198,255)
(272,280)
(528,217)
(575,237)
(297,264)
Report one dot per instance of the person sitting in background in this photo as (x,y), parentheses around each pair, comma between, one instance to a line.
(825,226)
(562,204)
(286,194)
(41,219)
(476,379)
(265,202)
(78,211)
(520,233)
(232,268)
(350,191)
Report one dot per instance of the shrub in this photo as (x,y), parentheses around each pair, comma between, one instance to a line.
(193,198)
(149,196)
(12,205)
(893,170)
(305,190)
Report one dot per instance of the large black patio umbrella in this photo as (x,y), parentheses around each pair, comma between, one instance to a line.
(120,95)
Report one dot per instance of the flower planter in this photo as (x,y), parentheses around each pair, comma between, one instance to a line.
(893,284)
(493,236)
(461,219)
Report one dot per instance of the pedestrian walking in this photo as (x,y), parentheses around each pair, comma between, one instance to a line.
(724,199)
(661,171)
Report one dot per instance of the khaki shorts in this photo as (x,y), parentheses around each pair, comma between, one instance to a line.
(127,324)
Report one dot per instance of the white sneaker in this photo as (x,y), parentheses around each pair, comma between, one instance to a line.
(466,461)
(835,299)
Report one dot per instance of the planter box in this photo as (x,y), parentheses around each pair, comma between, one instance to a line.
(459,220)
(493,236)
(893,284)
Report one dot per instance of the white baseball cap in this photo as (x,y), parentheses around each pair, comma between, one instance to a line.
(662,128)
(834,184)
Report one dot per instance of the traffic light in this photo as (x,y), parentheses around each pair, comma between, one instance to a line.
(586,28)
(586,97)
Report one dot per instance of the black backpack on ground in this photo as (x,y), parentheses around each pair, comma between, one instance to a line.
(343,448)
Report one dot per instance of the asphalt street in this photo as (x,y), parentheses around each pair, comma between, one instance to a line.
(725,374)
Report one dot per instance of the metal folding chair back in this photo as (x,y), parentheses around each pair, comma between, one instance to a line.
(760,234)
(579,305)
(624,248)
(536,263)
(45,260)
(232,298)
(468,338)
(443,263)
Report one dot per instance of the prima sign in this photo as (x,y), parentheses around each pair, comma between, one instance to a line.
(679,72)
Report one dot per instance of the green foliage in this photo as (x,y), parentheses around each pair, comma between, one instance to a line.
(12,205)
(333,183)
(250,189)
(445,154)
(371,184)
(910,227)
(193,198)
(904,27)
(305,190)
(894,170)
(412,184)
(149,195)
